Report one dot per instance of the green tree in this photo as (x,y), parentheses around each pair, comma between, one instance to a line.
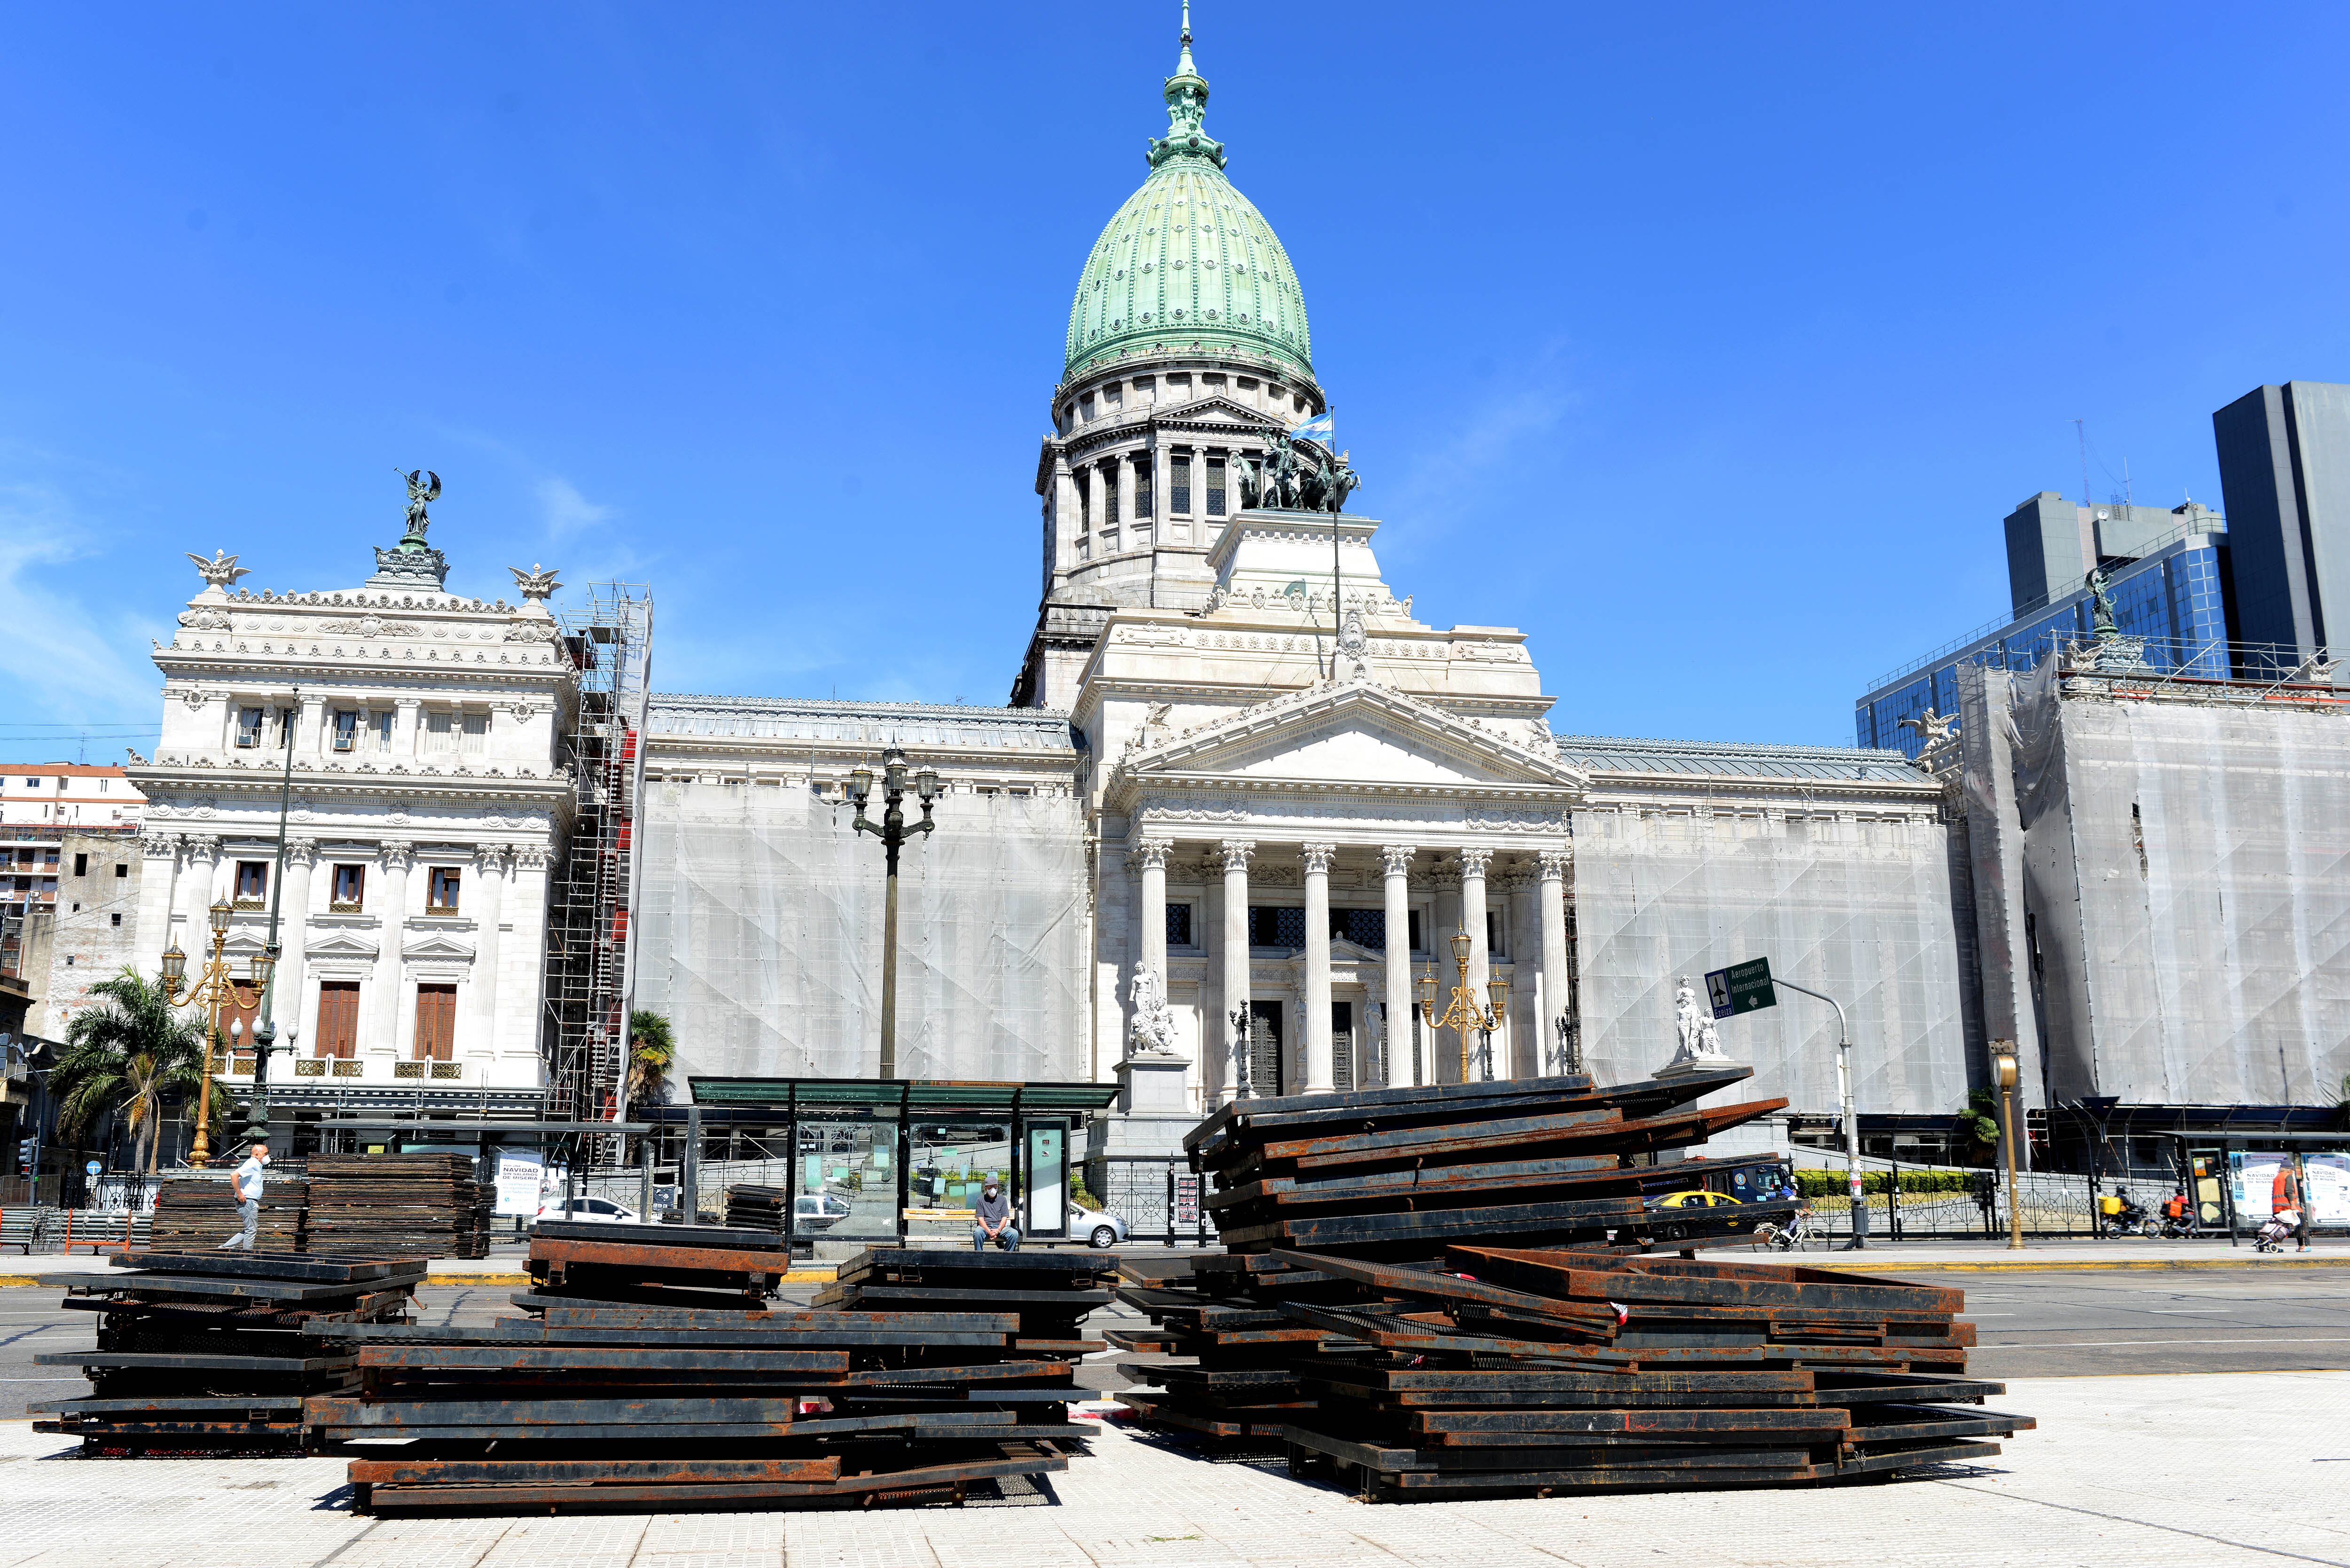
(128,1055)
(1979,1120)
(651,1052)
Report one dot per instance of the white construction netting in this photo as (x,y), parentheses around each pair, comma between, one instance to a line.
(1859,909)
(761,936)
(2188,873)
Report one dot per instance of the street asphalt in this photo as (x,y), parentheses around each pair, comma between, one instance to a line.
(2035,1325)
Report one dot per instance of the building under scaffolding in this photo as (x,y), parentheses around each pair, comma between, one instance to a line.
(2158,878)
(590,955)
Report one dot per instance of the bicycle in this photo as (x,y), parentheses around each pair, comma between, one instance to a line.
(1797,1237)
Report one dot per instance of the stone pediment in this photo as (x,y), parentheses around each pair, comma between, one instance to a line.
(437,947)
(1219,409)
(1353,734)
(341,945)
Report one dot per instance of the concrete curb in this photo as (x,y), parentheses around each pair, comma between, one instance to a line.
(1886,1265)
(796,1277)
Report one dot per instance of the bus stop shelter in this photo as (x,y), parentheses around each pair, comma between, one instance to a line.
(887,1160)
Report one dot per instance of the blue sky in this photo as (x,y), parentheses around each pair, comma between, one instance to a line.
(1708,345)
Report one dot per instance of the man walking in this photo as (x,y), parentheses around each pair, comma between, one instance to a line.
(247,1184)
(2284,1193)
(991,1219)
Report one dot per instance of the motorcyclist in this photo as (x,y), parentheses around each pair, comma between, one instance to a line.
(2129,1217)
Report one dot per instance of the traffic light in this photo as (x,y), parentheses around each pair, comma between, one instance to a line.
(24,1157)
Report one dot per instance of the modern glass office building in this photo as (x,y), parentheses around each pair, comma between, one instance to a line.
(2174,598)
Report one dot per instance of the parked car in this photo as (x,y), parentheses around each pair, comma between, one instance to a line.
(1698,1198)
(1686,1202)
(591,1210)
(1095,1228)
(819,1211)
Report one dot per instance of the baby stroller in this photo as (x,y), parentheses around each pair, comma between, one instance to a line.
(2278,1229)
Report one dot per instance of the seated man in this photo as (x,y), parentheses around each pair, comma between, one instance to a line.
(991,1219)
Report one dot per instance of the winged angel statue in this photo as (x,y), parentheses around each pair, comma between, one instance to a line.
(423,486)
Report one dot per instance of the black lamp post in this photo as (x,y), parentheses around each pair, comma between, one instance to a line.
(893,830)
(264,1031)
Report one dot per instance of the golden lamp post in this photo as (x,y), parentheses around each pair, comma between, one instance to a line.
(1463,1014)
(213,987)
(2003,1065)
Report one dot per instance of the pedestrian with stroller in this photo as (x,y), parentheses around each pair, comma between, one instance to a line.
(2285,1198)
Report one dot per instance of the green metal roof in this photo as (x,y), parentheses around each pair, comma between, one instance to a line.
(888,1093)
(1189,264)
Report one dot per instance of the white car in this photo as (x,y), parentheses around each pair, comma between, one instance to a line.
(591,1211)
(819,1211)
(1095,1229)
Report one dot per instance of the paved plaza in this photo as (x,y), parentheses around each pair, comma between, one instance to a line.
(2188,1470)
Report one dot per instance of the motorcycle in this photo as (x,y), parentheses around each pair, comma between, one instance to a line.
(2124,1217)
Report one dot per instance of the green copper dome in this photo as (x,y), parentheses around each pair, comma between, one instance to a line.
(1188,264)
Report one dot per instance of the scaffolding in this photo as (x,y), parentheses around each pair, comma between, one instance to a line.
(590,956)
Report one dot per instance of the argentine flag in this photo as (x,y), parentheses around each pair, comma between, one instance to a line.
(1320,428)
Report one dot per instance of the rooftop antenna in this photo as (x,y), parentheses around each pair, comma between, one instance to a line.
(2081,429)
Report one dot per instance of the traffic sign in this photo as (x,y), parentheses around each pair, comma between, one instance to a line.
(1741,988)
(93,1168)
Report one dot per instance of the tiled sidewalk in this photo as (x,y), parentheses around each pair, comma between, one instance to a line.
(2143,1472)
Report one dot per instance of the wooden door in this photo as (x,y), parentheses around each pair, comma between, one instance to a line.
(338,1020)
(436,1022)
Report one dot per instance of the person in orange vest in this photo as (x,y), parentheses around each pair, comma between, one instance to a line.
(2284,1193)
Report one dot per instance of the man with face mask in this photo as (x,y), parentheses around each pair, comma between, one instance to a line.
(991,1219)
(247,1184)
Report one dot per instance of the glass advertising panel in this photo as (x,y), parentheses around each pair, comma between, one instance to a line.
(2325,1183)
(947,1163)
(848,1182)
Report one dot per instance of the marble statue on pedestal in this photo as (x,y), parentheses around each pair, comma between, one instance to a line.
(1699,1045)
(1152,1032)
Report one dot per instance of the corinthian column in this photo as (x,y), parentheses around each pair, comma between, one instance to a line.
(1320,1074)
(1396,860)
(1235,957)
(294,940)
(390,902)
(1558,985)
(1473,919)
(1149,859)
(158,880)
(480,1038)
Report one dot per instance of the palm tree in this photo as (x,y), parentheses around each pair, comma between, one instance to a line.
(650,1051)
(128,1055)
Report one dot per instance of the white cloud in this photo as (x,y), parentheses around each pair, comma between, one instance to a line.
(64,663)
(567,511)
(1480,462)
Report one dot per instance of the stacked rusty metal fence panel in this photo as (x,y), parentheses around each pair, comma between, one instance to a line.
(213,1353)
(750,1206)
(382,1205)
(198,1213)
(1554,1371)
(1049,1291)
(1459,1291)
(653,1373)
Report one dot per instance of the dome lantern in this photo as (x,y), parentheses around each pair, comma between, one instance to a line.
(1188,266)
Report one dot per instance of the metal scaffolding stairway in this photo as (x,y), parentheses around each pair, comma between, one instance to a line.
(589,959)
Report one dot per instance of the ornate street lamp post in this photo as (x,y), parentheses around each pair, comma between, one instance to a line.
(2004,1064)
(265,1032)
(893,830)
(1463,1013)
(213,985)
